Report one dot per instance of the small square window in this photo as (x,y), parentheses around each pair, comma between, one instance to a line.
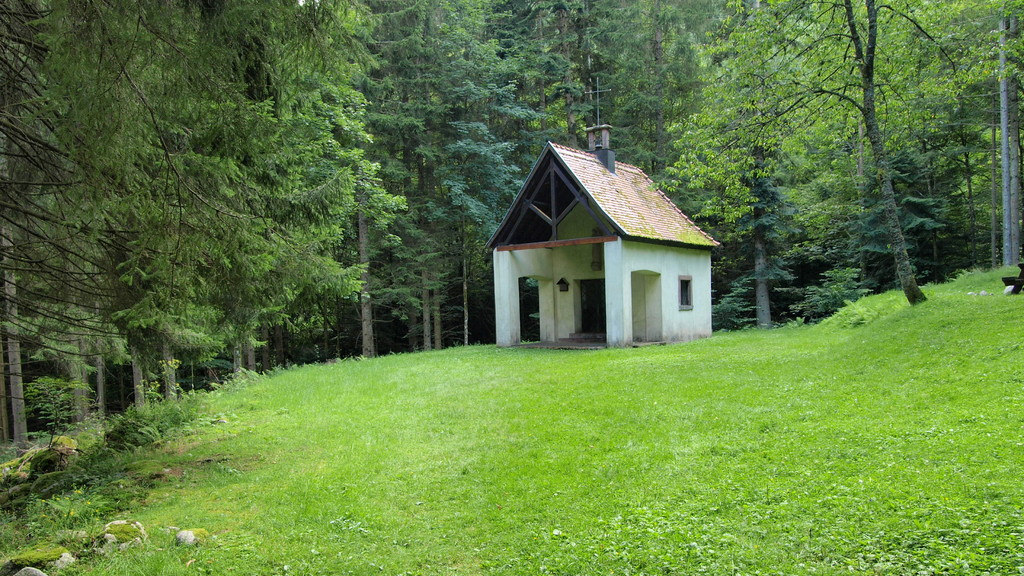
(685,293)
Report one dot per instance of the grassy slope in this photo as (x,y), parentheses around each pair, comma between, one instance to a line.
(892,447)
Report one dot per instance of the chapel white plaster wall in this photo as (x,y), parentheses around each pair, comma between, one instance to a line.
(670,263)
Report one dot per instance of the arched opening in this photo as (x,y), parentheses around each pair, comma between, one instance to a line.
(529,309)
(647,309)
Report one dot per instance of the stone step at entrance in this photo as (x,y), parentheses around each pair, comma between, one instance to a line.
(585,338)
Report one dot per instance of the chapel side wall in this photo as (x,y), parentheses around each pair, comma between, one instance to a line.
(670,263)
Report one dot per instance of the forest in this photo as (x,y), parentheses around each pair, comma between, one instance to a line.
(193,188)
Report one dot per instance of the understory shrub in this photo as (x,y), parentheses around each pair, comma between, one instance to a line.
(838,287)
(734,311)
(53,402)
(139,426)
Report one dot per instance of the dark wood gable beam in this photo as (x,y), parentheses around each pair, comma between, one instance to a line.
(526,206)
(539,212)
(544,180)
(579,197)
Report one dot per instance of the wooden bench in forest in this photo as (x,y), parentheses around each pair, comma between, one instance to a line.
(1016,281)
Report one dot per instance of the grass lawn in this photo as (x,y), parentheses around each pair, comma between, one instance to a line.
(887,440)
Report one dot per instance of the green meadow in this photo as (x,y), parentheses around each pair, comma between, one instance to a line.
(886,440)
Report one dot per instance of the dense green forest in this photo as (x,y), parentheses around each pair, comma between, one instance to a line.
(196,187)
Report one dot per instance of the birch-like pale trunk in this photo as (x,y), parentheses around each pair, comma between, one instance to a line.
(5,418)
(19,421)
(994,211)
(762,298)
(425,304)
(138,383)
(101,385)
(1009,120)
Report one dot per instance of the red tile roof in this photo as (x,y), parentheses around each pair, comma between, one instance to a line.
(631,200)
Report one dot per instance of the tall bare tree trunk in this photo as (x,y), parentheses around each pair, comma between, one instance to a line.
(1010,121)
(995,193)
(138,383)
(864,49)
(426,311)
(279,344)
(365,300)
(465,294)
(248,355)
(762,297)
(5,417)
(436,314)
(19,422)
(762,300)
(79,373)
(101,385)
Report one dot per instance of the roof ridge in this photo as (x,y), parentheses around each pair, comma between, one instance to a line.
(591,156)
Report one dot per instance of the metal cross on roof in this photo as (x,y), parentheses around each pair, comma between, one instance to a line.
(597,92)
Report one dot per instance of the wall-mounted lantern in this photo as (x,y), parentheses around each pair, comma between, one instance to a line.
(563,286)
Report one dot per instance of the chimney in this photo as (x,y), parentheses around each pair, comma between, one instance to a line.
(598,138)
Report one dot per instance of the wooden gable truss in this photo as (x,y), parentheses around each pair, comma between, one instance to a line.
(548,196)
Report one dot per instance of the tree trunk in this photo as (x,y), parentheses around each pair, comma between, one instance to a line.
(138,384)
(762,300)
(865,55)
(5,418)
(101,385)
(436,313)
(365,301)
(249,354)
(994,212)
(19,422)
(169,366)
(426,311)
(465,293)
(1010,122)
(80,374)
(279,344)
